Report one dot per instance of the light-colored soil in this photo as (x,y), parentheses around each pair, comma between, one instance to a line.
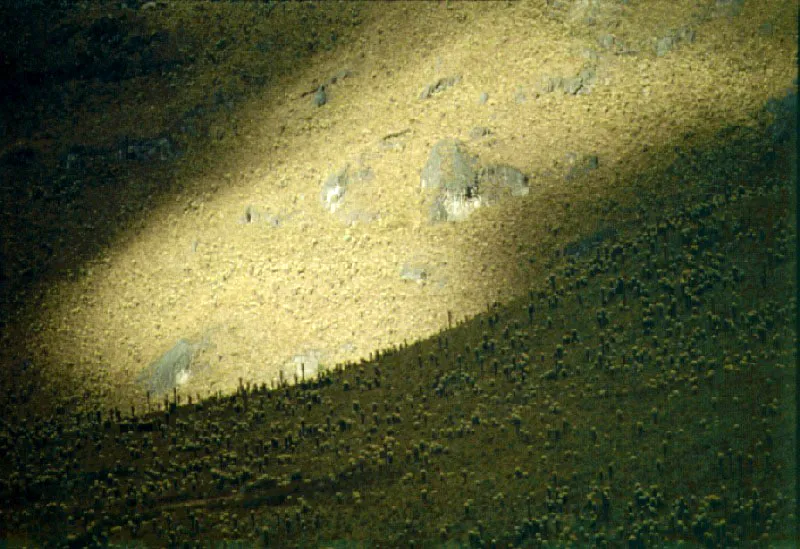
(189,268)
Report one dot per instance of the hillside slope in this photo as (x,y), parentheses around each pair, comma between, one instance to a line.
(641,395)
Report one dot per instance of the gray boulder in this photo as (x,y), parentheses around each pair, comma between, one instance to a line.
(458,185)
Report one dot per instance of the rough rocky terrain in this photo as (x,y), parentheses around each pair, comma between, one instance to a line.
(570,223)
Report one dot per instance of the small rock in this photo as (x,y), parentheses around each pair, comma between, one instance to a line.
(479,131)
(320,97)
(439,86)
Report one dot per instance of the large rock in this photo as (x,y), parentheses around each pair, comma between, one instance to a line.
(171,369)
(458,185)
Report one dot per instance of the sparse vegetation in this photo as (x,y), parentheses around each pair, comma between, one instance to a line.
(641,394)
(677,389)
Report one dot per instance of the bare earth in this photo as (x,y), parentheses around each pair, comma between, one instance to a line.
(190,267)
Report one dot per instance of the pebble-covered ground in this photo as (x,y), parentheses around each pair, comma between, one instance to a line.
(207,202)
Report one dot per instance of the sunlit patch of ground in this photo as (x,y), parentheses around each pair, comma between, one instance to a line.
(260,295)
